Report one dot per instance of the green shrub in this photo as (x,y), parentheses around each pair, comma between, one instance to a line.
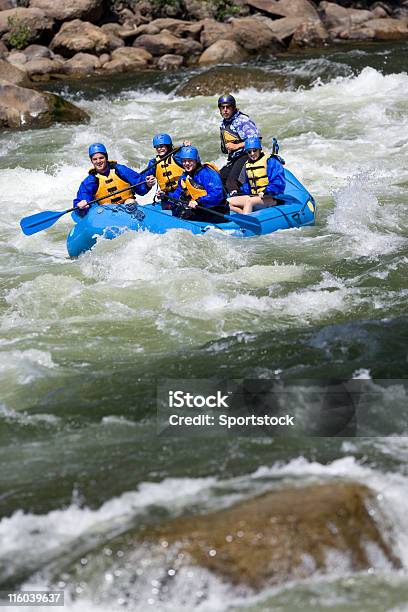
(224,8)
(19,33)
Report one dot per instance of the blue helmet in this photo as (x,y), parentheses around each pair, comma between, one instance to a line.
(189,153)
(228,99)
(253,142)
(162,139)
(97,147)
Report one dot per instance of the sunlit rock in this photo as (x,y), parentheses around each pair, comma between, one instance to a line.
(22,108)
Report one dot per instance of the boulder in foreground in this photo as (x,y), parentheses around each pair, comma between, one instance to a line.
(26,108)
(283,535)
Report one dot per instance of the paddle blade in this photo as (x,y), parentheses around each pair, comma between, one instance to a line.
(247,222)
(40,221)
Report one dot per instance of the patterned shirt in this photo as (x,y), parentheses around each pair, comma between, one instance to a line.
(243,126)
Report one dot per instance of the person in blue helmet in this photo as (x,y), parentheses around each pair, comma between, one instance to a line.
(263,179)
(234,129)
(166,168)
(105,179)
(199,187)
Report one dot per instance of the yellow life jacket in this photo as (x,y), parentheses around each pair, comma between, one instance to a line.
(257,174)
(193,188)
(108,185)
(228,136)
(168,173)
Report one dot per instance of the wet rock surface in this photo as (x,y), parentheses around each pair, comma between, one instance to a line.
(24,108)
(283,535)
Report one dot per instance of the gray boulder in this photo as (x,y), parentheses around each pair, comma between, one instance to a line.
(167,43)
(41,68)
(284,28)
(170,61)
(377,29)
(310,33)
(115,41)
(334,15)
(37,51)
(26,108)
(79,36)
(17,58)
(224,51)
(128,59)
(178,27)
(13,74)
(29,24)
(285,8)
(63,10)
(81,64)
(251,33)
(214,30)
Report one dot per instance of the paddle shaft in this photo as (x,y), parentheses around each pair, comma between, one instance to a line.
(205,208)
(239,219)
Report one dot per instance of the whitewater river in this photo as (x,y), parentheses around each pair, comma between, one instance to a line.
(83,343)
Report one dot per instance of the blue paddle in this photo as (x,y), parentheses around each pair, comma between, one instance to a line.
(244,221)
(43,220)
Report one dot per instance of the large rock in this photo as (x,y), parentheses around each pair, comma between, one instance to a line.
(335,15)
(128,59)
(81,64)
(79,36)
(310,33)
(17,58)
(213,31)
(377,29)
(165,42)
(251,33)
(217,81)
(115,41)
(41,68)
(170,61)
(284,535)
(13,74)
(388,29)
(284,28)
(63,10)
(285,8)
(30,24)
(178,27)
(24,108)
(224,51)
(37,51)
(280,536)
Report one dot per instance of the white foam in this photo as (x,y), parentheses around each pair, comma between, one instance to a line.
(25,366)
(27,533)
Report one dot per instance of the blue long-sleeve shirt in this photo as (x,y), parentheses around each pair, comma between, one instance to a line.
(89,185)
(210,180)
(276,179)
(151,170)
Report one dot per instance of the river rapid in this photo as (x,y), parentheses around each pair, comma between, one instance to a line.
(84,342)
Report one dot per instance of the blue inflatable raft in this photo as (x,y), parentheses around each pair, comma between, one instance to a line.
(296,208)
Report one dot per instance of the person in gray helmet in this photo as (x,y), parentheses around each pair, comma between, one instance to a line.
(235,128)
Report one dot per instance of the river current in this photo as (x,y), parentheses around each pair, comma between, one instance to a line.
(84,342)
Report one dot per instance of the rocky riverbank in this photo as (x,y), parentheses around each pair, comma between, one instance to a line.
(42,40)
(49,39)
